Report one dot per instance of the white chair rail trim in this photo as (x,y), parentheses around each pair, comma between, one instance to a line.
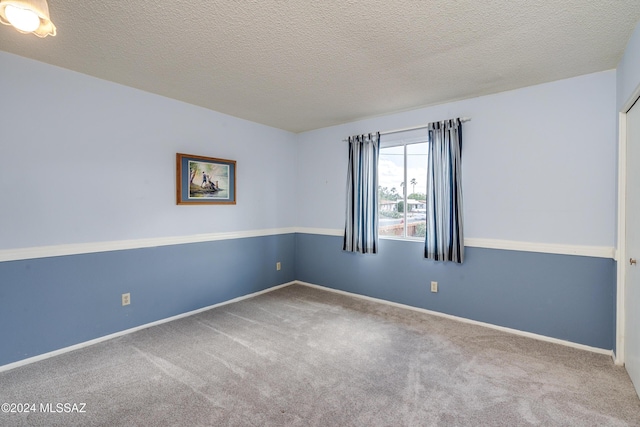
(507,245)
(118,245)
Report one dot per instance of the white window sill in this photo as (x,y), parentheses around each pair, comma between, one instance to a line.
(404,239)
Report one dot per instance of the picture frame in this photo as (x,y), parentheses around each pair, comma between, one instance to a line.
(205,180)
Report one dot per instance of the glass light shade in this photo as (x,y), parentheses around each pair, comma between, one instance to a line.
(27,16)
(23,19)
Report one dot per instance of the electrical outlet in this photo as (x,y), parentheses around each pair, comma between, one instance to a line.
(434,286)
(278,266)
(126,299)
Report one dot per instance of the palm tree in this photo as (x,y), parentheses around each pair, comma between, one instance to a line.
(402,185)
(193,170)
(413,182)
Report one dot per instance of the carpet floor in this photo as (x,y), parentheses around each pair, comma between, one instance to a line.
(301,356)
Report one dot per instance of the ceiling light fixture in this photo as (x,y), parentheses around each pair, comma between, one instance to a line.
(27,16)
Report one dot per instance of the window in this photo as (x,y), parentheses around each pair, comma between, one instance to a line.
(402,186)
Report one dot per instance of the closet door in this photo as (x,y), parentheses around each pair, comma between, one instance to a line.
(632,221)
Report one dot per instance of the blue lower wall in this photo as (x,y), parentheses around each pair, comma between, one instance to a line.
(51,303)
(561,296)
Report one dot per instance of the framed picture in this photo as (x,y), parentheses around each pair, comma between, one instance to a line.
(205,180)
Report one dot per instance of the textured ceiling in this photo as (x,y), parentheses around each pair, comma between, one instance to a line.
(300,65)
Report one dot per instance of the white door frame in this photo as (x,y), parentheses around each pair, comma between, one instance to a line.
(621,250)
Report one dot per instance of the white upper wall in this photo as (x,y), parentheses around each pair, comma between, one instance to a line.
(628,69)
(539,163)
(86,160)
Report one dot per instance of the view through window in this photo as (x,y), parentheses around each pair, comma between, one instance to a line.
(402,187)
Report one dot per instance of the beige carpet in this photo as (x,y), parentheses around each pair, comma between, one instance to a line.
(306,357)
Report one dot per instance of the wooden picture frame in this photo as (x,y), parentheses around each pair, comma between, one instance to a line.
(205,180)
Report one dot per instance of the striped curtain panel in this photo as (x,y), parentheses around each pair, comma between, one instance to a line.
(361,225)
(444,239)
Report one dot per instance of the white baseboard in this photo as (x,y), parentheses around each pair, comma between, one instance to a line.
(132,330)
(465,320)
(617,359)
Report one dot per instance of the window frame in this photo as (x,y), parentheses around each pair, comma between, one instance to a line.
(402,143)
